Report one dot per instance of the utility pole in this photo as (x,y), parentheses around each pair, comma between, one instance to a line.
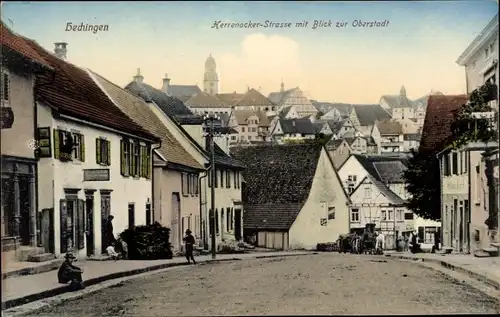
(210,134)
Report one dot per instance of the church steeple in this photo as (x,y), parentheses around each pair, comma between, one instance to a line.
(211,79)
(282,88)
(138,78)
(402,91)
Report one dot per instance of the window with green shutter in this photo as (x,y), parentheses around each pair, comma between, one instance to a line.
(148,162)
(124,157)
(102,151)
(98,150)
(57,144)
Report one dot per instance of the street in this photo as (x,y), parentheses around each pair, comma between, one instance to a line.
(315,284)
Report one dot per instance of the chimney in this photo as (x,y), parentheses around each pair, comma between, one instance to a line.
(138,78)
(61,49)
(166,84)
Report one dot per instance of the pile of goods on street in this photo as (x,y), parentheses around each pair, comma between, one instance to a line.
(231,247)
(327,247)
(150,242)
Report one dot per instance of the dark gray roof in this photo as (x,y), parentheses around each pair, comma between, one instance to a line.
(278,181)
(171,106)
(299,125)
(318,126)
(183,90)
(278,97)
(387,169)
(335,126)
(343,108)
(368,114)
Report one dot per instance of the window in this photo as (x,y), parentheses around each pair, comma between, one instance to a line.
(368,193)
(228,179)
(454,162)
(350,189)
(383,215)
(466,162)
(355,215)
(352,178)
(5,89)
(236,177)
(102,151)
(446,163)
(242,129)
(487,52)
(222,220)
(221,178)
(136,160)
(210,178)
(390,214)
(69,146)
(399,214)
(145,161)
(409,216)
(185,184)
(331,213)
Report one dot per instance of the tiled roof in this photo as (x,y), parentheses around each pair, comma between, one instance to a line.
(204,100)
(318,126)
(73,92)
(278,180)
(231,99)
(398,101)
(278,97)
(270,216)
(369,114)
(285,111)
(438,119)
(343,108)
(139,110)
(387,169)
(171,106)
(183,90)
(335,126)
(389,128)
(254,98)
(19,45)
(294,126)
(243,115)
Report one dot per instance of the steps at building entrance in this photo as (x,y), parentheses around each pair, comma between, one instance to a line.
(492,251)
(43,257)
(481,254)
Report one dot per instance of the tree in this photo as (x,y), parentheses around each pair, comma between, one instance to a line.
(422,177)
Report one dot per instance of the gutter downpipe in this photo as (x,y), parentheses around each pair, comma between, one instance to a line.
(441,197)
(153,148)
(202,228)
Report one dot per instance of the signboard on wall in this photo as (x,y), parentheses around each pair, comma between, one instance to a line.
(96,175)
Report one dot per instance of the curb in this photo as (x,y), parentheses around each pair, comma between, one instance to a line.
(51,266)
(482,277)
(96,280)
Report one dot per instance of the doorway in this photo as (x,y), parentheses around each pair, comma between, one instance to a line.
(237,224)
(105,213)
(176,216)
(25,206)
(89,211)
(131,215)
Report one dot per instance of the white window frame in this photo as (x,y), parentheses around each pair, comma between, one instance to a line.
(355,211)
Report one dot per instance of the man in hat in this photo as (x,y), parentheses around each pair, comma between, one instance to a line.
(189,243)
(70,273)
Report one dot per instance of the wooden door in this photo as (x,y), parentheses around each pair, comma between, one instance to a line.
(175,224)
(89,209)
(237,224)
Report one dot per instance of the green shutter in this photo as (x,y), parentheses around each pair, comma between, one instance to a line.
(82,147)
(123,159)
(108,148)
(142,171)
(98,150)
(56,144)
(148,162)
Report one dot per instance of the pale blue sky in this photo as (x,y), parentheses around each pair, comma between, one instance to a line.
(418,48)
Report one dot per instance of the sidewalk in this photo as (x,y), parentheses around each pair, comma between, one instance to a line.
(24,289)
(486,270)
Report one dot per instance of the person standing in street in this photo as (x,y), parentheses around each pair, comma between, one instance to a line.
(189,246)
(110,236)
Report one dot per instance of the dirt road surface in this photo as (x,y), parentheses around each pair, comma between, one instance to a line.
(316,284)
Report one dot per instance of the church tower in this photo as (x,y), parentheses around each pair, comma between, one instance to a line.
(402,91)
(211,80)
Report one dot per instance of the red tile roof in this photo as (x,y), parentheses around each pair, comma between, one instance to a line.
(19,45)
(73,92)
(438,119)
